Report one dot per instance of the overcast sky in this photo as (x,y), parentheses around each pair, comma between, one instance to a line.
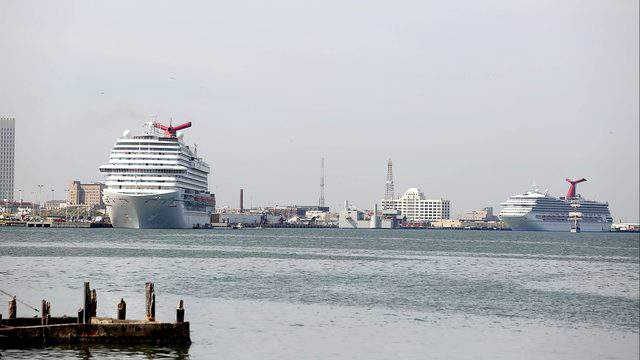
(473,100)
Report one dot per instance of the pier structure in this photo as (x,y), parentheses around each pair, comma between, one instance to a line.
(86,327)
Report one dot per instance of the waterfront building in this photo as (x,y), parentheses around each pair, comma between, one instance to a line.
(55,204)
(8,207)
(295,210)
(7,157)
(89,194)
(415,207)
(446,224)
(352,217)
(391,219)
(485,214)
(625,227)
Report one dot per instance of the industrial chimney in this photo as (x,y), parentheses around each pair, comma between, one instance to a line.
(241,200)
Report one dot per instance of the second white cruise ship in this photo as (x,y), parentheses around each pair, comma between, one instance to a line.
(539,211)
(156,181)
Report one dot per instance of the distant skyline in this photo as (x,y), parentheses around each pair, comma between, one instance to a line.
(473,101)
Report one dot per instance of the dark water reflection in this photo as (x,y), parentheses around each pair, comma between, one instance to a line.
(99,351)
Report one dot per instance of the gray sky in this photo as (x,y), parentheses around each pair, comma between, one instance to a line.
(473,100)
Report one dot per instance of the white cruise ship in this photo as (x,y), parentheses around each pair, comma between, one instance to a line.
(156,181)
(539,211)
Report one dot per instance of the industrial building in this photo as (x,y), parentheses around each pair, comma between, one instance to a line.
(55,204)
(296,210)
(352,217)
(484,214)
(247,219)
(415,207)
(7,157)
(89,195)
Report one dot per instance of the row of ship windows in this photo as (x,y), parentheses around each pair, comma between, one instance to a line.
(179,163)
(145,143)
(149,187)
(183,179)
(169,182)
(567,210)
(173,149)
(172,154)
(147,171)
(115,151)
(167,162)
(157,183)
(159,173)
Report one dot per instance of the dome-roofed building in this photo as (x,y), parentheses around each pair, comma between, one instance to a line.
(417,208)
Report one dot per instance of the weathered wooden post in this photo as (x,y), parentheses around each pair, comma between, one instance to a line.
(180,312)
(150,296)
(94,303)
(86,319)
(45,312)
(122,310)
(12,308)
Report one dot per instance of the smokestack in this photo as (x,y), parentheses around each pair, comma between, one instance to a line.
(572,189)
(241,200)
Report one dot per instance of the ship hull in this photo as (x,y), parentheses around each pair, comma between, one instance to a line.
(162,210)
(530,223)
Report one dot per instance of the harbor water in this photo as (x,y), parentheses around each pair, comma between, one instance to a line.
(331,293)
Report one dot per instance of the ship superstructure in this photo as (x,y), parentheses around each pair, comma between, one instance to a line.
(156,181)
(538,211)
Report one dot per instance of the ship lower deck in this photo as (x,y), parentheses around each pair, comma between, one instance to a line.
(530,223)
(162,210)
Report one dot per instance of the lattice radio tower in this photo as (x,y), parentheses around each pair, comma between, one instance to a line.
(389,193)
(321,200)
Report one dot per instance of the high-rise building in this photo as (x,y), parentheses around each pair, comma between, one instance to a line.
(389,192)
(7,157)
(89,195)
(321,199)
(416,208)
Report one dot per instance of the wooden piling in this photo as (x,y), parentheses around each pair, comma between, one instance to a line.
(150,296)
(93,303)
(12,308)
(122,310)
(45,312)
(180,312)
(86,319)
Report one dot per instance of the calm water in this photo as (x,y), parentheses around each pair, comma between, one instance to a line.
(310,293)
